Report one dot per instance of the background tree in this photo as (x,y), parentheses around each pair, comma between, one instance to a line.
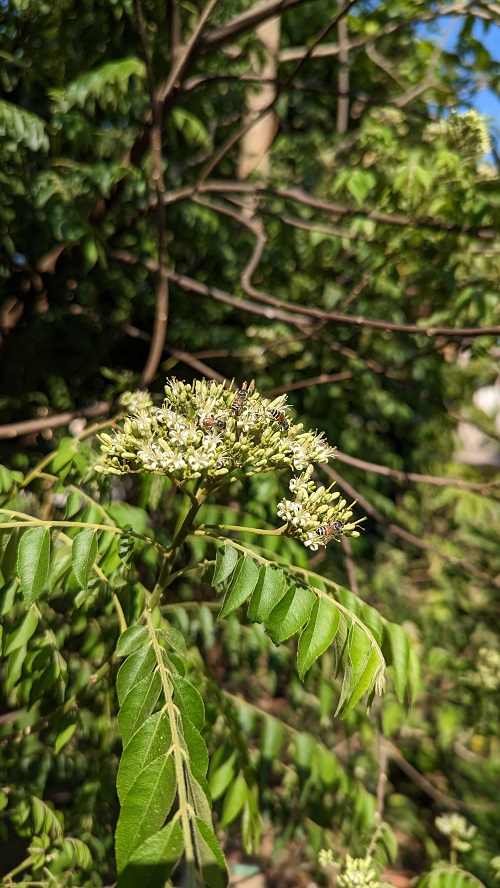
(357,272)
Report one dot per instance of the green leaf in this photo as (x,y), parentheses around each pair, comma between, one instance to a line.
(222,777)
(363,666)
(196,746)
(174,639)
(241,586)
(138,706)
(211,858)
(18,126)
(339,643)
(270,589)
(400,657)
(145,808)
(153,862)
(290,614)
(22,633)
(33,563)
(225,562)
(84,555)
(189,701)
(63,737)
(131,640)
(271,741)
(234,801)
(318,634)
(133,670)
(150,742)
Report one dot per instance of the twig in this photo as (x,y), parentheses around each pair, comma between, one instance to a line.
(349,566)
(33,426)
(382,775)
(377,516)
(246,127)
(282,309)
(414,476)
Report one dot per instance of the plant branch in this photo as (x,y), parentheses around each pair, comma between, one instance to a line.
(162,296)
(466,566)
(414,476)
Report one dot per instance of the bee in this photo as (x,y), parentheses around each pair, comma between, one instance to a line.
(280,419)
(239,400)
(210,422)
(329,530)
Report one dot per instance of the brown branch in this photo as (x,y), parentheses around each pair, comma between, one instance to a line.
(184,56)
(246,127)
(246,21)
(350,566)
(420,780)
(403,534)
(286,311)
(33,426)
(162,296)
(182,356)
(382,774)
(337,210)
(305,383)
(414,476)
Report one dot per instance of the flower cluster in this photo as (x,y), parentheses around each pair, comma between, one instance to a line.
(358,871)
(207,429)
(459,831)
(316,515)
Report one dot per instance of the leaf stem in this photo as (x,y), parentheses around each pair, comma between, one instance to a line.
(184,530)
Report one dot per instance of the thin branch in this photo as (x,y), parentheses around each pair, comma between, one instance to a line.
(382,774)
(350,566)
(246,21)
(246,127)
(414,476)
(336,210)
(180,64)
(403,534)
(286,311)
(322,379)
(182,356)
(33,426)
(420,780)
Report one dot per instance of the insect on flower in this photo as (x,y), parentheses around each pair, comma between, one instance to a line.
(280,419)
(209,422)
(329,530)
(239,400)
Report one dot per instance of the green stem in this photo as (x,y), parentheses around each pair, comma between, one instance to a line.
(33,858)
(276,532)
(179,762)
(453,857)
(185,529)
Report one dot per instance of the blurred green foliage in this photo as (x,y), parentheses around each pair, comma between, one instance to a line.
(397,220)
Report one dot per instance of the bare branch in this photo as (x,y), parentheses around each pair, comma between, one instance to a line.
(33,426)
(414,476)
(465,566)
(246,127)
(290,313)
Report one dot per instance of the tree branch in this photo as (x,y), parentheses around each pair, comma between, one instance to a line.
(377,516)
(162,296)
(414,476)
(288,312)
